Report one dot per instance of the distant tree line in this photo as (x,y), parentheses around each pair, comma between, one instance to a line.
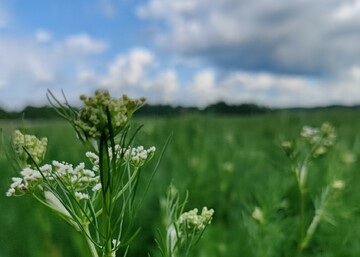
(47,112)
(218,108)
(29,112)
(224,108)
(221,108)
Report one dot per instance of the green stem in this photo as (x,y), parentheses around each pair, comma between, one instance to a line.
(301,176)
(107,226)
(316,220)
(311,230)
(107,255)
(300,181)
(90,243)
(105,177)
(301,219)
(123,189)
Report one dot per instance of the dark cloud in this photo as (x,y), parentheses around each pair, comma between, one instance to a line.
(293,37)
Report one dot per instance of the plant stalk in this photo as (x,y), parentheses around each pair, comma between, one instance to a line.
(301,220)
(300,181)
(90,243)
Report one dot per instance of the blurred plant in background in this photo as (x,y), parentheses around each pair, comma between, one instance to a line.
(295,222)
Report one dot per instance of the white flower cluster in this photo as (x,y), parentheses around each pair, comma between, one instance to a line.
(35,147)
(313,134)
(16,185)
(325,134)
(138,155)
(94,159)
(322,137)
(76,179)
(30,178)
(194,222)
(82,196)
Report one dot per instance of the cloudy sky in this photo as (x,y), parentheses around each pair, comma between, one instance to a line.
(188,52)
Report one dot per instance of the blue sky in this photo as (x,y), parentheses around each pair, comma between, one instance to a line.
(182,52)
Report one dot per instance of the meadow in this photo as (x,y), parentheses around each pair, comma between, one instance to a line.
(232,164)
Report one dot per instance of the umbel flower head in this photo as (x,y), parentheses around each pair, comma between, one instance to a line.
(192,222)
(98,200)
(77,180)
(102,112)
(34,146)
(321,138)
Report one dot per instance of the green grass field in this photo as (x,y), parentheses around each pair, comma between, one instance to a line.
(230,164)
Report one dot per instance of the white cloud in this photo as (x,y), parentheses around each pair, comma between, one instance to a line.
(348,11)
(26,58)
(270,89)
(355,73)
(83,44)
(134,73)
(40,69)
(4,16)
(199,25)
(43,36)
(203,89)
(139,73)
(28,66)
(158,8)
(2,84)
(162,89)
(127,70)
(21,59)
(107,8)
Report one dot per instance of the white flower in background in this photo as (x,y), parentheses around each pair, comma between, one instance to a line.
(258,215)
(322,138)
(82,196)
(137,156)
(194,222)
(338,184)
(309,132)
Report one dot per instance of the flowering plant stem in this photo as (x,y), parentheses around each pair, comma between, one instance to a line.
(300,174)
(105,176)
(316,219)
(97,202)
(90,243)
(181,230)
(301,217)
(320,139)
(100,202)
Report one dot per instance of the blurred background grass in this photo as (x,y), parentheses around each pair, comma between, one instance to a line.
(229,163)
